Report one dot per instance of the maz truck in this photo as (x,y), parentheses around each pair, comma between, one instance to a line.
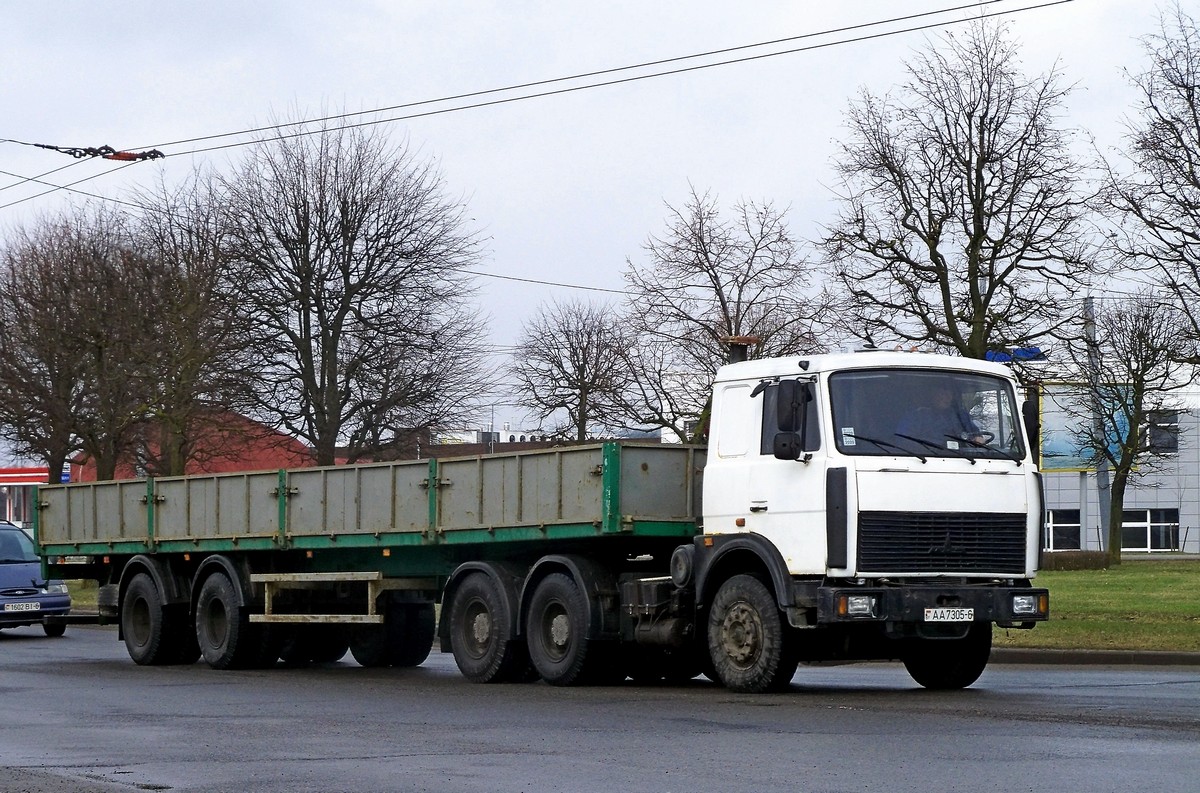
(830,519)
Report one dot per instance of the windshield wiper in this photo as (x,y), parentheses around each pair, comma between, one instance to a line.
(887,445)
(931,445)
(984,446)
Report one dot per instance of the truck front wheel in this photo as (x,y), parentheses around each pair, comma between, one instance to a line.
(944,664)
(748,640)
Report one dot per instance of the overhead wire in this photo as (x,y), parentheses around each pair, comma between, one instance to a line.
(625,80)
(586,75)
(595,73)
(533,84)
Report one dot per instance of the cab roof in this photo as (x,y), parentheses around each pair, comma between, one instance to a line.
(763,368)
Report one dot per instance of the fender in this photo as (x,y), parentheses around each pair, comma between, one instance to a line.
(505,575)
(593,580)
(715,563)
(173,590)
(237,570)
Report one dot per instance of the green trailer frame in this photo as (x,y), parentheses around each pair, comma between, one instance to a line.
(405,518)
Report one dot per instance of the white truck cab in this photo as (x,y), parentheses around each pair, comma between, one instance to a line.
(891,500)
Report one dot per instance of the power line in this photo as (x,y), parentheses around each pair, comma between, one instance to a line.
(69,187)
(624,80)
(583,75)
(596,73)
(544,283)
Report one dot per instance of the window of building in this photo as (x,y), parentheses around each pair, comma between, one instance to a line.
(1150,530)
(1062,530)
(1162,431)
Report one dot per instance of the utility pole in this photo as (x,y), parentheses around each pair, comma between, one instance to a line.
(1099,430)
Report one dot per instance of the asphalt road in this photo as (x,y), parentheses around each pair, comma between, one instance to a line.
(76,714)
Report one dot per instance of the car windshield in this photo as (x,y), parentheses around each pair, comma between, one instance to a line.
(925,414)
(16,547)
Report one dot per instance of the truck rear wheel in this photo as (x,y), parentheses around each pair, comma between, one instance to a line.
(748,640)
(946,664)
(224,634)
(556,631)
(479,634)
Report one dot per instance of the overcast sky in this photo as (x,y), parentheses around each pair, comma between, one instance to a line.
(565,188)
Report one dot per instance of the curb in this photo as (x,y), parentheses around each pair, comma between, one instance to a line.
(1020,655)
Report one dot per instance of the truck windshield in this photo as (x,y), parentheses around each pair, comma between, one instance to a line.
(925,414)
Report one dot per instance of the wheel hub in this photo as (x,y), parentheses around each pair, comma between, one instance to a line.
(741,634)
(560,630)
(481,628)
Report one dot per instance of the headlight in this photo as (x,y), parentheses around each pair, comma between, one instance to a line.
(857,606)
(56,589)
(1023,605)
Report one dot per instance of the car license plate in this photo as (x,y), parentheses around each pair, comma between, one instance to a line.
(949,615)
(26,606)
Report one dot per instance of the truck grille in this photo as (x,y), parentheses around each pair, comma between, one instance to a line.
(941,542)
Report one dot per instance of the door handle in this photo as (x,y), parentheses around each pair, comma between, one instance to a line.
(758,508)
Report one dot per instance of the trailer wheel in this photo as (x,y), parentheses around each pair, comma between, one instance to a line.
(143,623)
(313,644)
(54,630)
(946,664)
(224,634)
(417,626)
(479,636)
(369,645)
(556,631)
(748,640)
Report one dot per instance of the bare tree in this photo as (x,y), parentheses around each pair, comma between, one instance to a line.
(349,258)
(961,224)
(710,279)
(74,320)
(42,369)
(194,363)
(570,366)
(1160,199)
(1132,365)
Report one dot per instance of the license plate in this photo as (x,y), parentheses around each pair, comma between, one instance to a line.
(949,615)
(22,606)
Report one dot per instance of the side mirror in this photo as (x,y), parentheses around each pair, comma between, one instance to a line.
(1029,413)
(790,401)
(788,446)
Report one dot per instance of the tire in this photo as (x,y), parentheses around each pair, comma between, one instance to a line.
(369,645)
(416,626)
(56,630)
(224,634)
(143,623)
(949,664)
(314,644)
(749,641)
(479,634)
(187,651)
(556,632)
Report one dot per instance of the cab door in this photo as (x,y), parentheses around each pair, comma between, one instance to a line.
(785,497)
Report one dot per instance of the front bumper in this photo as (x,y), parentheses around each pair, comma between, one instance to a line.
(1007,606)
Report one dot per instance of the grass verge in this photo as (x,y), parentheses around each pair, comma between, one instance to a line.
(1139,605)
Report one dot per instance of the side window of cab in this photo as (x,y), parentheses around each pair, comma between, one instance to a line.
(770,422)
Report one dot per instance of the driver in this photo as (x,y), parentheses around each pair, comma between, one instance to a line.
(943,417)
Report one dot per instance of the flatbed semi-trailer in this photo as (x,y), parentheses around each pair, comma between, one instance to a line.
(811,529)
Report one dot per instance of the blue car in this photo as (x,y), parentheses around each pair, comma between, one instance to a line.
(25,597)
